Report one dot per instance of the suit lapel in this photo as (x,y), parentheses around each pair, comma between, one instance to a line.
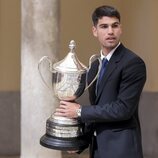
(111,67)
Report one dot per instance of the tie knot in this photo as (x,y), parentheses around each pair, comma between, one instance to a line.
(104,62)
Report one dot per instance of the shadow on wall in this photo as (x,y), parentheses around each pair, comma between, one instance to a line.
(148,117)
(10,123)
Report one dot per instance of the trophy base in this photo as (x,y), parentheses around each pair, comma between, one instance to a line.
(64,144)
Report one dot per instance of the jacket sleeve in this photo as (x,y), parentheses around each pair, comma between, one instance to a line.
(133,78)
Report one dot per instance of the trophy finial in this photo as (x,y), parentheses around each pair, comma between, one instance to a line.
(72,45)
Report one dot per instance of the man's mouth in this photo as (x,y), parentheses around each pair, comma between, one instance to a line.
(111,39)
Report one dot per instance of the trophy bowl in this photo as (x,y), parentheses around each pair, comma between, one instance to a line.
(69,81)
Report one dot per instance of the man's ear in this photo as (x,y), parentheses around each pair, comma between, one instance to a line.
(94,30)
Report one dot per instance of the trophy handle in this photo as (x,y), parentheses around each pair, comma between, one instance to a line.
(93,58)
(50,68)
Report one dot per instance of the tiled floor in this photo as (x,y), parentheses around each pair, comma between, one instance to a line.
(82,155)
(64,155)
(9,156)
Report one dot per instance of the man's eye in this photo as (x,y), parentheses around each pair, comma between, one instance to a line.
(104,26)
(115,26)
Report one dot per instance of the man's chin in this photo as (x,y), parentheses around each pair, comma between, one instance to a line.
(111,45)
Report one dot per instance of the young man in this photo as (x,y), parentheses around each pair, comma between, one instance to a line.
(113,114)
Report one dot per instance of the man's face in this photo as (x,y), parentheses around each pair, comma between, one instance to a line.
(108,31)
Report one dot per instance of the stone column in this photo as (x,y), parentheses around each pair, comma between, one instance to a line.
(40,32)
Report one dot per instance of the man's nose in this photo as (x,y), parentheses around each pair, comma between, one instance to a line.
(110,30)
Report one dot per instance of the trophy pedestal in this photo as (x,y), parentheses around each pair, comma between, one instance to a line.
(68,144)
(64,134)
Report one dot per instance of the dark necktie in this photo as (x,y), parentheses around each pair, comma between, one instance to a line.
(102,71)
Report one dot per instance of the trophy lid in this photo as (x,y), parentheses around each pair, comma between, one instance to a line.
(70,63)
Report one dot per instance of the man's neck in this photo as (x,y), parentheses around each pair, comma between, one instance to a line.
(106,51)
(109,54)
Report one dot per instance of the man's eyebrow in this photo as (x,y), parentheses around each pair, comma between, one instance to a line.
(105,24)
(116,23)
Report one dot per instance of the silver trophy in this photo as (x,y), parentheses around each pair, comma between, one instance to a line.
(69,81)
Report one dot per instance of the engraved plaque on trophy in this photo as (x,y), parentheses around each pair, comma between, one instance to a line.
(69,81)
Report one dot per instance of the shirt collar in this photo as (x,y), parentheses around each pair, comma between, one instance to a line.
(109,54)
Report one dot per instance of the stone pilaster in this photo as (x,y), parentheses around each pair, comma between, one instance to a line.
(40,32)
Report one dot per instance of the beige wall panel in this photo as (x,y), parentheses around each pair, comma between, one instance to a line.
(139,19)
(9,45)
(76,24)
(139,30)
(140,34)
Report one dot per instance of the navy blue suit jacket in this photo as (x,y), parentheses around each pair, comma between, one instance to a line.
(114,110)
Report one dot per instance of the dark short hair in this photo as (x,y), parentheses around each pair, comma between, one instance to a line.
(104,11)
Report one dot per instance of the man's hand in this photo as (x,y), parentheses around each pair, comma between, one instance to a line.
(72,152)
(67,109)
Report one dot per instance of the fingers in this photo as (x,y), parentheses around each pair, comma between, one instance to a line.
(62,107)
(67,109)
(60,112)
(72,152)
(63,102)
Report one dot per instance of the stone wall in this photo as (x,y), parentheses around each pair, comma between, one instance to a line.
(149,125)
(10,123)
